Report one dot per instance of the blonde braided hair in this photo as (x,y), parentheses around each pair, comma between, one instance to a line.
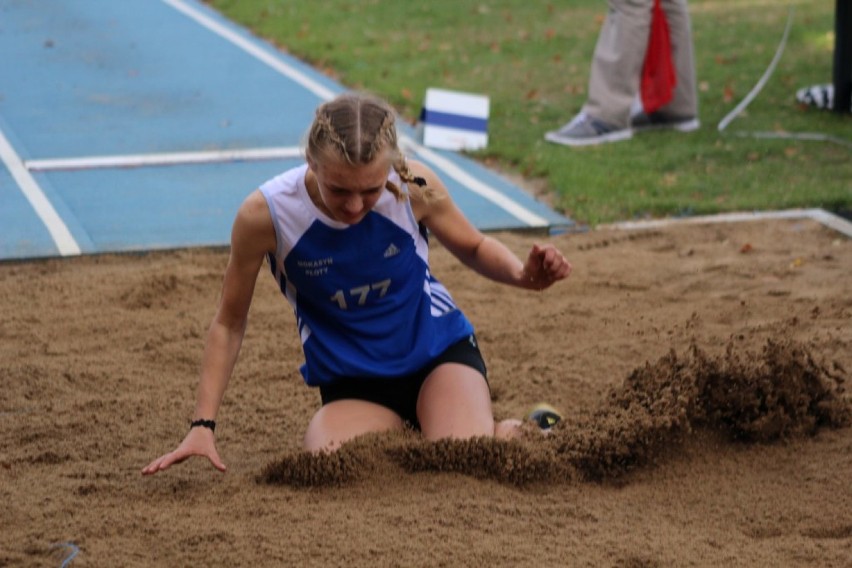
(356,128)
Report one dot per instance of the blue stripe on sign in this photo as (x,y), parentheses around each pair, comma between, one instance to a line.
(455,120)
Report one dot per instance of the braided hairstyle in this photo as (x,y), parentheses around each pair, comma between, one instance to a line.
(356,128)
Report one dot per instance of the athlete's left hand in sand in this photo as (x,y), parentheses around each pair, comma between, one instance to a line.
(545,265)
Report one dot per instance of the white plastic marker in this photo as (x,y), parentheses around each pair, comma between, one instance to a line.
(453,120)
(73,551)
(59,232)
(446,166)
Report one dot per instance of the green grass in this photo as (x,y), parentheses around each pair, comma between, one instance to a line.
(532,60)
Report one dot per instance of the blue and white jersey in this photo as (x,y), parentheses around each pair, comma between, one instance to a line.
(365,301)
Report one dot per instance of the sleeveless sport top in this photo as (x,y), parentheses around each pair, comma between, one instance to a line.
(366,304)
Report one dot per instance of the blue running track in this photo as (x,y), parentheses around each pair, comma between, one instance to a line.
(143,124)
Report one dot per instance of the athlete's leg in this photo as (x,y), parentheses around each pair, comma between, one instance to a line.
(508,429)
(455,402)
(685,100)
(342,420)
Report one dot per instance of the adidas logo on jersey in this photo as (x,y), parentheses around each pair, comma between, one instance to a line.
(392,250)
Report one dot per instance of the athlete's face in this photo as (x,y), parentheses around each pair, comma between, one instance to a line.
(350,192)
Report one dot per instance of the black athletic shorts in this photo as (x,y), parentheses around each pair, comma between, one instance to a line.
(400,393)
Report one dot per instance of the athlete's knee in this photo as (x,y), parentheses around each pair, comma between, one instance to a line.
(319,436)
(338,422)
(508,429)
(317,441)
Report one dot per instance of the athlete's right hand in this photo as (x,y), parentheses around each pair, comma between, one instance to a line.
(198,442)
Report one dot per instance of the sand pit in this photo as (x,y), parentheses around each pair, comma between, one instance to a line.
(702,371)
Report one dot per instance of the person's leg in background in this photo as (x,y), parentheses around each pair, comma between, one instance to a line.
(617,62)
(613,79)
(682,112)
(685,101)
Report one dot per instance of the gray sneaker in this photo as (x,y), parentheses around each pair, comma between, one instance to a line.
(584,130)
(659,121)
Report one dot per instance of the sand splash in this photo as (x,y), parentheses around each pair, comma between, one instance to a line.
(779,393)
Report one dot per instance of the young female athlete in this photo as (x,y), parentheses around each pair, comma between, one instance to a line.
(345,236)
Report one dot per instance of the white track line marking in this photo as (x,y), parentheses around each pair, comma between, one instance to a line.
(173,158)
(252,49)
(453,171)
(822,216)
(59,232)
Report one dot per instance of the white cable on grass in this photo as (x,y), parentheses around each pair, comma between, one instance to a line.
(768,73)
(807,136)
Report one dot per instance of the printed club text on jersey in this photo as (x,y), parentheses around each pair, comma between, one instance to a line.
(315,267)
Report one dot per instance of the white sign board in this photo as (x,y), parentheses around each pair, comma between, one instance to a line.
(452,120)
